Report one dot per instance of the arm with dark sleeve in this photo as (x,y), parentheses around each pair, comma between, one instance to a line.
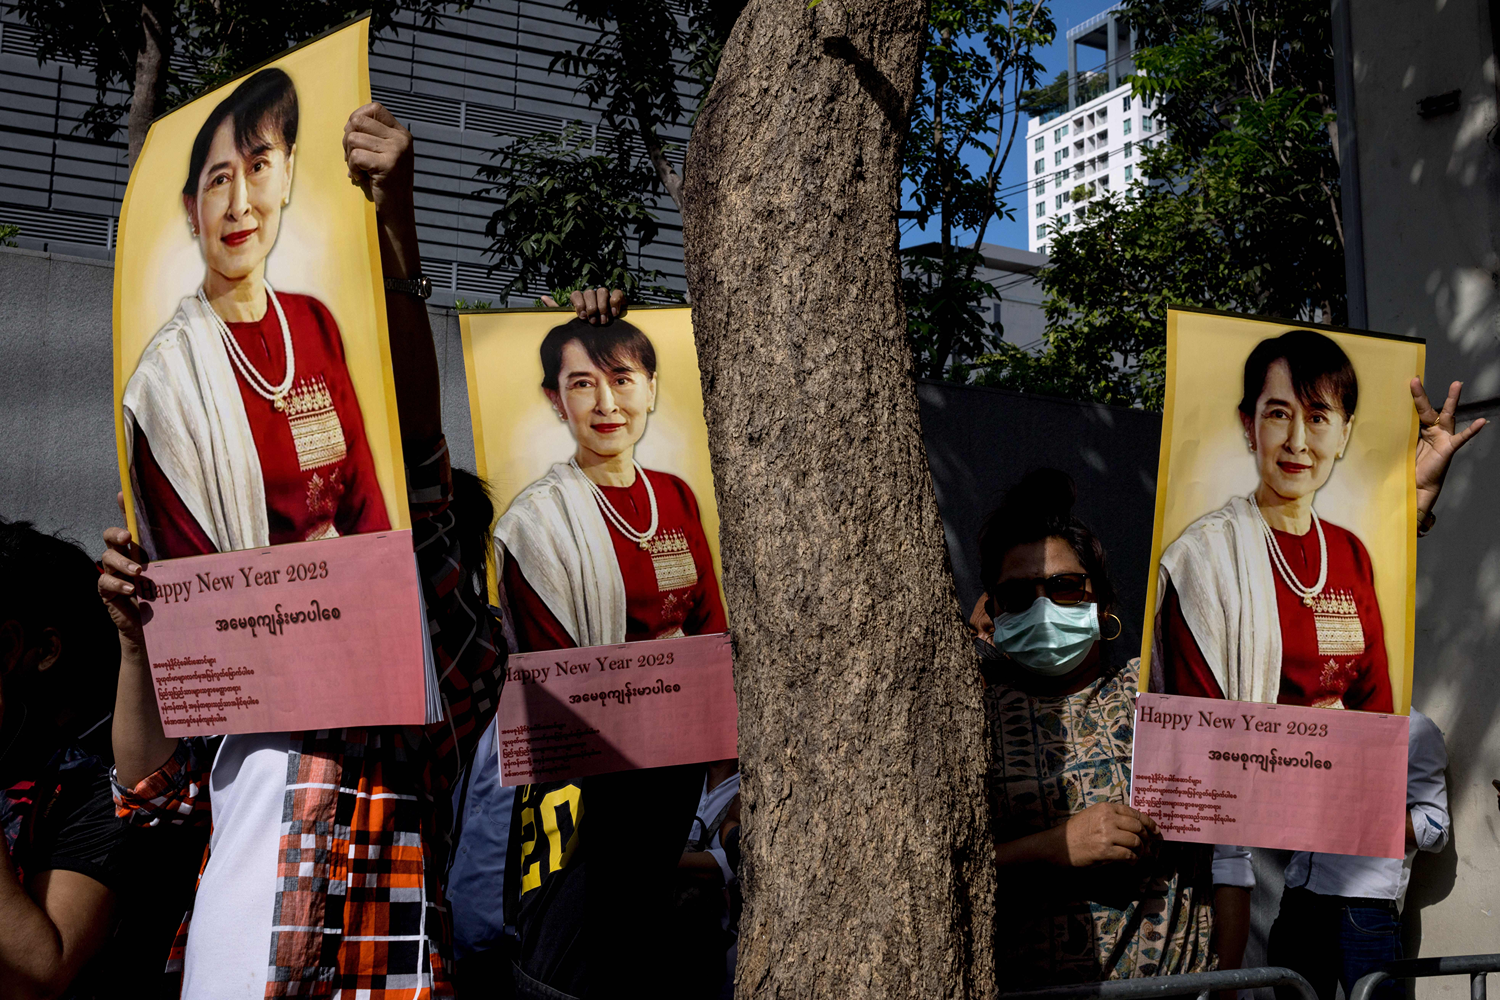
(467,648)
(84,833)
(1184,669)
(175,532)
(707,615)
(55,923)
(536,626)
(1371,690)
(464,635)
(362,505)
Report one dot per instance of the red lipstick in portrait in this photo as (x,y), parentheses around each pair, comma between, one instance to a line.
(236,238)
(607,428)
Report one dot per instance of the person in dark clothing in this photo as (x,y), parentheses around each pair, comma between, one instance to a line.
(62,851)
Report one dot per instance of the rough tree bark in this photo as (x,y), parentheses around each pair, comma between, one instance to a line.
(869,868)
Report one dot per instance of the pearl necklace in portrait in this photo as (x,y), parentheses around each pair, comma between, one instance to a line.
(614,517)
(1278,558)
(262,386)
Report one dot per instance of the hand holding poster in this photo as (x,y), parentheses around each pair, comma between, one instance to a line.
(592,438)
(254,400)
(1285,554)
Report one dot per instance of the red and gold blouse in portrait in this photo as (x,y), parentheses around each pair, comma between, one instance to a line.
(1332,644)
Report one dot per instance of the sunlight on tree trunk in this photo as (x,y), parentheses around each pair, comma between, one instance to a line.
(868,866)
(150,71)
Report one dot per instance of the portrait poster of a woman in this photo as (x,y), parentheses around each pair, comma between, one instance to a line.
(255,413)
(1284,566)
(594,444)
(601,544)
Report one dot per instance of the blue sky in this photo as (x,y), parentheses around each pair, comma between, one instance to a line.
(1054,58)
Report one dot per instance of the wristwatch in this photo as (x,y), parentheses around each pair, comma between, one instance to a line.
(419,286)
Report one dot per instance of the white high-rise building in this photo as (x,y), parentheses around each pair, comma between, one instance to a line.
(1092,148)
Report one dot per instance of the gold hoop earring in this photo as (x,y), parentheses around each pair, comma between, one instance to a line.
(1119,627)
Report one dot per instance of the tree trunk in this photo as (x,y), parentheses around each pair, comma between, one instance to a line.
(150,71)
(868,863)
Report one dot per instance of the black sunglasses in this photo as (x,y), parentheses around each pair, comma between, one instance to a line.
(1015,596)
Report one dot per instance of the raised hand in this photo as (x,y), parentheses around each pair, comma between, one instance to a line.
(1439,440)
(380,157)
(119,585)
(597,305)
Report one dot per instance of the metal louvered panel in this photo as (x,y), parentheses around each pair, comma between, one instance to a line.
(421,107)
(17,40)
(60,227)
(472,79)
(476,279)
(498,121)
(186,69)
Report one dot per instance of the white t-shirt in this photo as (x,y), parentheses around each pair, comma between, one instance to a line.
(229,940)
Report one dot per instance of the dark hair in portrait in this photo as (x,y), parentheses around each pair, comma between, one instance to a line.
(1321,371)
(618,347)
(264,112)
(1038,507)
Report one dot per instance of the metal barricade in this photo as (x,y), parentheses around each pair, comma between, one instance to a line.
(1196,984)
(1473,966)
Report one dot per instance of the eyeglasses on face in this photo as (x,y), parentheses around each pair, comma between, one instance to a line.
(1066,589)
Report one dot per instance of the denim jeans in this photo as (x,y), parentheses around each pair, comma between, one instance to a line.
(1332,940)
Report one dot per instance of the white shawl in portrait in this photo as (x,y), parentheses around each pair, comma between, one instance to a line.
(557,536)
(1223,576)
(185,398)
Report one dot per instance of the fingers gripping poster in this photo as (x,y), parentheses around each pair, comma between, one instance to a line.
(1277,662)
(259,448)
(593,441)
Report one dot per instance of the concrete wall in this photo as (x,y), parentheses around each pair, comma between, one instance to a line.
(1430,190)
(58,466)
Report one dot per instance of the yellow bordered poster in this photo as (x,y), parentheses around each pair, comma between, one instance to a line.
(518,433)
(1282,586)
(240,236)
(1312,468)
(255,413)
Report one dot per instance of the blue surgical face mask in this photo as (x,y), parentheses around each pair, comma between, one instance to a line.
(1048,639)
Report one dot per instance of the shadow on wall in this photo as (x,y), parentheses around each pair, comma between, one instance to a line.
(981,441)
(1453,906)
(1433,877)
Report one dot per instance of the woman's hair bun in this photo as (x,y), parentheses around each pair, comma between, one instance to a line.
(1042,495)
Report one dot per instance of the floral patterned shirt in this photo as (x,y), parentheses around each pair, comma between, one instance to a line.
(1055,756)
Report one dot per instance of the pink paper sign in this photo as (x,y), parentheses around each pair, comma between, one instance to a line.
(309,635)
(1282,776)
(567,713)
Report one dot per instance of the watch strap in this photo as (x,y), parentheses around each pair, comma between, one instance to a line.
(418,286)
